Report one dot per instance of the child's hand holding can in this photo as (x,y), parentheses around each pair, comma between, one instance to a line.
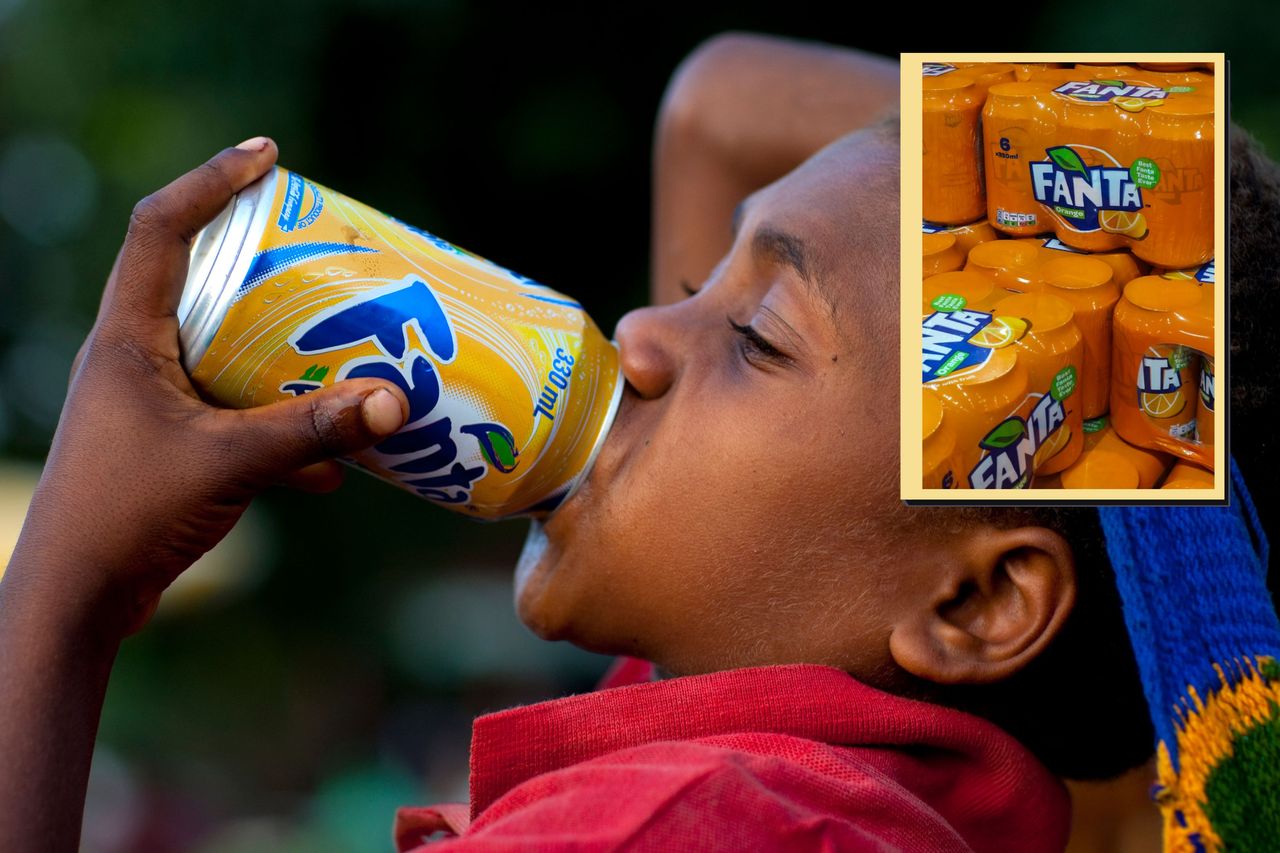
(144,476)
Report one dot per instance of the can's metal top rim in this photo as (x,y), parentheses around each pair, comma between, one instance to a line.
(219,260)
(606,424)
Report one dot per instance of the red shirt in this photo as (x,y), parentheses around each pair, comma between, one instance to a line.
(770,758)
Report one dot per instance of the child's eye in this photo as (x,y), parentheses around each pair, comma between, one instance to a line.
(755,345)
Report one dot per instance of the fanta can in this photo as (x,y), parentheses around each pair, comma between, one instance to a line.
(1203,274)
(1078,181)
(1101,469)
(1022,71)
(1206,404)
(1057,75)
(1107,74)
(1178,149)
(940,253)
(967,236)
(1053,351)
(511,387)
(1130,163)
(1124,266)
(1149,464)
(1198,78)
(1089,285)
(1158,327)
(1013,265)
(939,444)
(952,158)
(1205,428)
(1017,123)
(978,399)
(1184,475)
(954,291)
(988,74)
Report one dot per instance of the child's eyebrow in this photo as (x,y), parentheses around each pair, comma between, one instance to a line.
(770,244)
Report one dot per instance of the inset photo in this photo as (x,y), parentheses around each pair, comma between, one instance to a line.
(1071,334)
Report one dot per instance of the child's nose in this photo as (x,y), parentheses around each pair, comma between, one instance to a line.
(646,350)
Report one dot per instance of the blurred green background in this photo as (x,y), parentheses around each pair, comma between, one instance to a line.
(323,667)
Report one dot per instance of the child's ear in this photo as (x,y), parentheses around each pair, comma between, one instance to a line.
(994,603)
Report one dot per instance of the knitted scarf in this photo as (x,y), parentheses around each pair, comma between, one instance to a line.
(1207,642)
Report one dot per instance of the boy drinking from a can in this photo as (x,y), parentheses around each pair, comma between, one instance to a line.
(844,672)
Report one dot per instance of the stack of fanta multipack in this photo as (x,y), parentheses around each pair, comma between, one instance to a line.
(1068,297)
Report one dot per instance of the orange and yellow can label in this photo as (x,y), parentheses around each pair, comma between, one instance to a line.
(511,385)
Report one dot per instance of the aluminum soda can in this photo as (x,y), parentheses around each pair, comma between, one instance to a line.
(511,386)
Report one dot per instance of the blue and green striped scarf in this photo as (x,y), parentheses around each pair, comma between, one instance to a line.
(1194,585)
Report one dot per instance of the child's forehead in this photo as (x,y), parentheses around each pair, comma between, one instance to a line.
(843,204)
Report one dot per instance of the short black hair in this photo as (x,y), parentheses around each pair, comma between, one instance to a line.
(1079,706)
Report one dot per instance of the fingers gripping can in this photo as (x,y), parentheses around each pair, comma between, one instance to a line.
(511,386)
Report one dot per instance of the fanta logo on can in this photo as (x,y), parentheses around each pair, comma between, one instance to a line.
(423,455)
(946,345)
(1077,192)
(937,69)
(1100,91)
(1012,445)
(292,217)
(1206,387)
(1204,275)
(1158,376)
(932,227)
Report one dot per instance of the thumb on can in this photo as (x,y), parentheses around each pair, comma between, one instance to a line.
(271,441)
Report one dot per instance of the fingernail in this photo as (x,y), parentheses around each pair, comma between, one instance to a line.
(257,143)
(381,412)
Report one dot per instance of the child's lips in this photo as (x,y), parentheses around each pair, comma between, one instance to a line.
(613,455)
(615,448)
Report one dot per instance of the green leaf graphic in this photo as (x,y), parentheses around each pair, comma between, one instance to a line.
(497,445)
(1116,83)
(1067,159)
(1004,434)
(502,450)
(1174,90)
(1095,424)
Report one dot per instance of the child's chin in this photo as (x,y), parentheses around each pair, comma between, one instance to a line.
(534,571)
